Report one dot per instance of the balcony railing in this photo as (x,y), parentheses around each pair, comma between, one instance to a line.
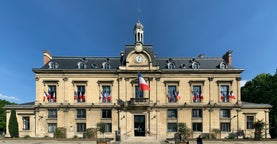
(139,101)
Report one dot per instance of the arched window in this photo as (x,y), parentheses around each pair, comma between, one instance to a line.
(195,65)
(53,65)
(106,65)
(223,65)
(170,65)
(183,66)
(81,65)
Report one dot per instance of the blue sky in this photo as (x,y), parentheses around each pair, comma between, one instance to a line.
(179,28)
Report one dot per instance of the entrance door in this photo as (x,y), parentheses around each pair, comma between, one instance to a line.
(139,125)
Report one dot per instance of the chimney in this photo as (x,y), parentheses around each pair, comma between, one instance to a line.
(228,57)
(46,57)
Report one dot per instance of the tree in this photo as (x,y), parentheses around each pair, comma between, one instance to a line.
(259,127)
(184,131)
(101,127)
(263,89)
(13,125)
(3,115)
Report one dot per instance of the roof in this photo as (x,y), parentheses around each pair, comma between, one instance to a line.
(98,63)
(28,105)
(255,105)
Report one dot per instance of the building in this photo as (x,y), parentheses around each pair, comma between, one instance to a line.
(78,92)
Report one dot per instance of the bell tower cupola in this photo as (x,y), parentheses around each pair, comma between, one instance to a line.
(138,33)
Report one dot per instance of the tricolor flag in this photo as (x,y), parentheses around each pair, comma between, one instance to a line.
(176,94)
(201,96)
(142,84)
(100,96)
(222,96)
(84,97)
(49,96)
(75,95)
(44,96)
(81,96)
(105,95)
(231,95)
(109,98)
(54,97)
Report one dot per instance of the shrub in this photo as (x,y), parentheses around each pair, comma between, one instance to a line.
(232,135)
(26,137)
(91,133)
(60,132)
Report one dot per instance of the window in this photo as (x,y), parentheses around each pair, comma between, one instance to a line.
(52,113)
(81,113)
(52,127)
(81,127)
(171,127)
(106,65)
(52,94)
(138,92)
(197,127)
(171,65)
(172,93)
(106,94)
(106,113)
(81,65)
(80,94)
(224,90)
(108,127)
(225,127)
(195,65)
(172,113)
(53,65)
(197,113)
(197,95)
(223,65)
(249,122)
(225,113)
(26,123)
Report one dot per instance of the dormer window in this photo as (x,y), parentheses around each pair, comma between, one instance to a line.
(170,65)
(53,65)
(183,66)
(94,66)
(223,65)
(195,65)
(81,65)
(106,65)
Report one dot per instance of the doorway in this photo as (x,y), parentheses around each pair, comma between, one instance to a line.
(139,125)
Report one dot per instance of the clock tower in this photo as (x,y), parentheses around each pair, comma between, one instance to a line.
(138,35)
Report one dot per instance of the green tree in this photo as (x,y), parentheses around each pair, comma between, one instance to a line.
(101,127)
(3,115)
(259,127)
(184,131)
(263,89)
(13,125)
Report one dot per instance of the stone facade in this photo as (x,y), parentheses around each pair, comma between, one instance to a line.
(77,93)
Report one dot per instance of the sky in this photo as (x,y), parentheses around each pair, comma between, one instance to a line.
(179,28)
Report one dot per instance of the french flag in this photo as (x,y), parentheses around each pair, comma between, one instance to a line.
(44,96)
(142,84)
(100,96)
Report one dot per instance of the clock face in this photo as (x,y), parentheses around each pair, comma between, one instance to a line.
(138,58)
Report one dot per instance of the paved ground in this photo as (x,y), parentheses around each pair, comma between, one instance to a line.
(43,141)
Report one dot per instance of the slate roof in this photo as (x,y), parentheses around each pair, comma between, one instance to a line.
(90,61)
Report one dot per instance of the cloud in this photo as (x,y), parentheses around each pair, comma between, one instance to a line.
(243,82)
(9,98)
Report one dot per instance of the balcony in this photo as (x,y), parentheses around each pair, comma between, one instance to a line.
(144,102)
